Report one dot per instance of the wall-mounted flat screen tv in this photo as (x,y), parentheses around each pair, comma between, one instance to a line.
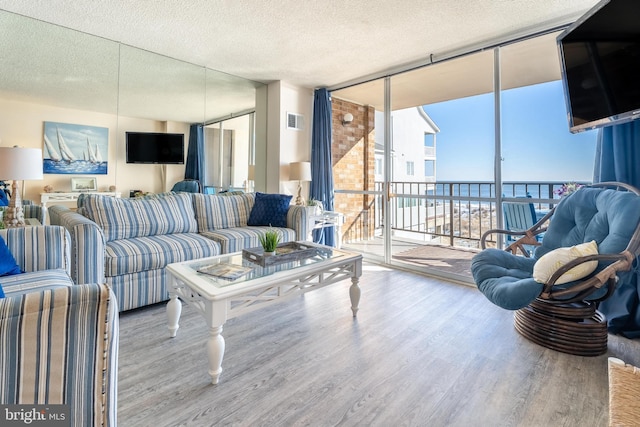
(600,61)
(158,148)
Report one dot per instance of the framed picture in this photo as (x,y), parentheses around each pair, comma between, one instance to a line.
(84,184)
(75,149)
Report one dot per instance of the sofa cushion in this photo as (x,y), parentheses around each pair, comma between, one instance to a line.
(607,216)
(153,252)
(236,239)
(270,209)
(217,212)
(37,280)
(8,264)
(506,280)
(128,218)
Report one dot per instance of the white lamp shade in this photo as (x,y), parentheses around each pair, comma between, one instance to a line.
(300,171)
(19,164)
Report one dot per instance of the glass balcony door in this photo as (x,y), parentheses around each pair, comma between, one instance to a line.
(359,162)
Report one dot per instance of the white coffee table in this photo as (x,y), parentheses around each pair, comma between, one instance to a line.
(218,299)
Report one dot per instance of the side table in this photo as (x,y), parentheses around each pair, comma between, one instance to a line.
(70,197)
(326,219)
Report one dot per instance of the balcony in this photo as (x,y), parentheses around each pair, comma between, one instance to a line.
(429,152)
(435,225)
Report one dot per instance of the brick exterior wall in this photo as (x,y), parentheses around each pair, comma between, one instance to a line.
(353,150)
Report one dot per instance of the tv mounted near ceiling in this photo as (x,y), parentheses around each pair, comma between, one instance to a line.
(600,61)
(157,148)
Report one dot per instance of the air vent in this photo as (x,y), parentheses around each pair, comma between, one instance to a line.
(295,121)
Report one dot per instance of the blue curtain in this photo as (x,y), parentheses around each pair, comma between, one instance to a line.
(618,159)
(321,187)
(194,169)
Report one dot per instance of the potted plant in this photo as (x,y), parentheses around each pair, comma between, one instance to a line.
(314,208)
(269,241)
(568,188)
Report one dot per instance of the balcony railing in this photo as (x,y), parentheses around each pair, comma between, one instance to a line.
(430,152)
(450,213)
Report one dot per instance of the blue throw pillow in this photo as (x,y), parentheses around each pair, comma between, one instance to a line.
(8,265)
(4,200)
(270,209)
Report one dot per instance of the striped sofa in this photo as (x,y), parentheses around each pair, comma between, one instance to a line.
(58,341)
(138,237)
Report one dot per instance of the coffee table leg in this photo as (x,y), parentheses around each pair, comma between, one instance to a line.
(174,309)
(215,352)
(354,294)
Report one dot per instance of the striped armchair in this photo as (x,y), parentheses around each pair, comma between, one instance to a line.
(66,333)
(32,210)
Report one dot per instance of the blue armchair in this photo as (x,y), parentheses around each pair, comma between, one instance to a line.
(187,186)
(558,315)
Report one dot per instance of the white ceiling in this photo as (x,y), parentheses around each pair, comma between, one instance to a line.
(310,44)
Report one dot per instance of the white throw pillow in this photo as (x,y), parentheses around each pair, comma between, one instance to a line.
(550,262)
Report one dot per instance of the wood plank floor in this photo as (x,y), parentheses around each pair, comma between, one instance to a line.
(422,352)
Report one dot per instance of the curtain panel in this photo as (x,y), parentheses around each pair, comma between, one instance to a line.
(618,159)
(194,168)
(321,187)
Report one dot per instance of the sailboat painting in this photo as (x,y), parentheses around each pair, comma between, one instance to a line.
(75,149)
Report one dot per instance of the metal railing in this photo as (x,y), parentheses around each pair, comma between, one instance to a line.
(450,213)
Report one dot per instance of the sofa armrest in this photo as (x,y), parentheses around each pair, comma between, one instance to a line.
(87,245)
(76,366)
(297,218)
(34,211)
(39,248)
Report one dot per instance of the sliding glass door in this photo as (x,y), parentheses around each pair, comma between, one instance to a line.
(229,147)
(422,171)
(359,163)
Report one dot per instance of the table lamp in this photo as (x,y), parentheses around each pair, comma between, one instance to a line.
(300,171)
(251,177)
(18,164)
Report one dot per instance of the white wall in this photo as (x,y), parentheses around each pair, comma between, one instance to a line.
(287,145)
(408,129)
(23,124)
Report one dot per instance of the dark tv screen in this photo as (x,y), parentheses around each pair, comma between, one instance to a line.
(600,59)
(159,148)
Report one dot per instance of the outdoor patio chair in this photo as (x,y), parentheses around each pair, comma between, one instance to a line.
(519,217)
(590,244)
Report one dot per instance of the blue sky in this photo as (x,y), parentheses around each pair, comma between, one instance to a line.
(536,142)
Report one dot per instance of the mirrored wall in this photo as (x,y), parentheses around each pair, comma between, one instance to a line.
(55,74)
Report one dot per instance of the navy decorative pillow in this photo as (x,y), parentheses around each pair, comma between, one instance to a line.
(4,200)
(270,209)
(8,265)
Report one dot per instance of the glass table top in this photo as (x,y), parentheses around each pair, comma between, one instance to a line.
(232,269)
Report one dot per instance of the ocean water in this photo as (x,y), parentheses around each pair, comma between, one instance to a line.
(536,191)
(75,167)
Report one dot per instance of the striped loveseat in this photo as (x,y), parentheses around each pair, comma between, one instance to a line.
(58,341)
(138,237)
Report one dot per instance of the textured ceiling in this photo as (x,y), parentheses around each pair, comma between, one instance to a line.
(311,44)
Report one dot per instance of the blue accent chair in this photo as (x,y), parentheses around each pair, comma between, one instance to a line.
(564,317)
(187,186)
